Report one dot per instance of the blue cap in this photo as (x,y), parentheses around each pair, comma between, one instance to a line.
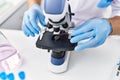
(11,76)
(22,75)
(3,76)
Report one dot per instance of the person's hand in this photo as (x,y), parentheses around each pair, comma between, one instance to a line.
(97,30)
(31,17)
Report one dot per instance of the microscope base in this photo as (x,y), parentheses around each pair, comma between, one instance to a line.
(59,68)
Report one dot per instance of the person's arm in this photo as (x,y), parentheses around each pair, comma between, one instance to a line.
(33,2)
(115,23)
(115,17)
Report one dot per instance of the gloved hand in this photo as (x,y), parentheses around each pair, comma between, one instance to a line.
(97,30)
(31,16)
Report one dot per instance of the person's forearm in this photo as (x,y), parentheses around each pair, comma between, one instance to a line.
(32,2)
(115,23)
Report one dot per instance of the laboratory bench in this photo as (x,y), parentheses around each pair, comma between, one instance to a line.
(90,64)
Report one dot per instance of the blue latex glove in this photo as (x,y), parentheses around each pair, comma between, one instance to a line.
(97,30)
(104,3)
(31,16)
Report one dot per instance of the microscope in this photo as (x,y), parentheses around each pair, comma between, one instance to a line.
(55,36)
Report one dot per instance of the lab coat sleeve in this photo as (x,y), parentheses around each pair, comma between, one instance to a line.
(116,8)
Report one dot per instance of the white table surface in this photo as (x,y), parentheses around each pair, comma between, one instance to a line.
(90,64)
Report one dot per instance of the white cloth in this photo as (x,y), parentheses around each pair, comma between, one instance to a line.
(87,9)
(116,8)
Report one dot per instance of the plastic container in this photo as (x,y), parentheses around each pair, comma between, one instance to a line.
(9,56)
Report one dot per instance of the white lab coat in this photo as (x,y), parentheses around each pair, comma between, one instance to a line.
(87,9)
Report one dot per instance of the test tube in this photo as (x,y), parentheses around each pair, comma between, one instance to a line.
(9,56)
